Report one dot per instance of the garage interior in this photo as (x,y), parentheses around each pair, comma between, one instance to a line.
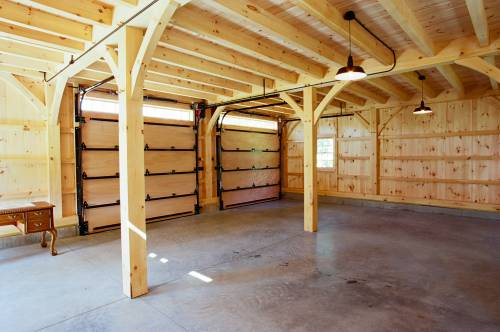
(253,165)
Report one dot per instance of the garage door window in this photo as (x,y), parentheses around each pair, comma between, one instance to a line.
(111,106)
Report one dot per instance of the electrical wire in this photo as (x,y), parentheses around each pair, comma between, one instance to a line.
(277,92)
(100,41)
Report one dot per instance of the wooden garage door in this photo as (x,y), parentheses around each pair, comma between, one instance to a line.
(249,169)
(170,170)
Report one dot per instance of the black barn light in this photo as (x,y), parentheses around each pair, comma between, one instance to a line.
(350,72)
(422,109)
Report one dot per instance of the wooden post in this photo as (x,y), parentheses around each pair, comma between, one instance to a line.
(53,98)
(210,155)
(310,115)
(310,170)
(54,168)
(284,157)
(375,155)
(131,156)
(129,66)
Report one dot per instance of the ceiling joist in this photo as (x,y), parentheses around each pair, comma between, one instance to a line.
(188,61)
(93,10)
(229,35)
(33,18)
(479,20)
(327,14)
(291,34)
(203,48)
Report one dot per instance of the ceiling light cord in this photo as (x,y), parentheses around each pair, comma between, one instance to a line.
(348,16)
(422,89)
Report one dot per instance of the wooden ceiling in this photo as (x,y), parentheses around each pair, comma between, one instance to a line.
(224,49)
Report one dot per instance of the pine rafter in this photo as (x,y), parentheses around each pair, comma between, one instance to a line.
(229,35)
(30,17)
(332,18)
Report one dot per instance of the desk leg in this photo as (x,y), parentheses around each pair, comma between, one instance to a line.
(44,240)
(53,232)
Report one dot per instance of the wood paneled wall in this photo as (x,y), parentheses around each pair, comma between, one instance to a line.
(23,149)
(450,158)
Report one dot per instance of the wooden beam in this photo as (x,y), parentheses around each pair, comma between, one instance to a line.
(148,85)
(265,20)
(53,97)
(22,62)
(54,167)
(401,12)
(310,114)
(452,77)
(35,87)
(310,169)
(491,60)
(33,18)
(327,14)
(413,59)
(218,53)
(231,36)
(162,13)
(93,10)
(30,52)
(209,152)
(362,120)
(348,98)
(33,98)
(332,93)
(111,57)
(429,91)
(179,83)
(388,87)
(21,72)
(40,38)
(293,104)
(153,86)
(166,55)
(172,71)
(482,66)
(477,13)
(131,159)
(195,76)
(375,153)
(361,91)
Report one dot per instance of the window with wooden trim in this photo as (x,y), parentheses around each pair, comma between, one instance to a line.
(325,153)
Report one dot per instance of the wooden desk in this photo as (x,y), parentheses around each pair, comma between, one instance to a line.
(32,218)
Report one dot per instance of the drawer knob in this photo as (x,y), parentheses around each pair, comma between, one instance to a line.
(37,224)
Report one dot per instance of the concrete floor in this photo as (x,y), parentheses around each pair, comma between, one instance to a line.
(366,269)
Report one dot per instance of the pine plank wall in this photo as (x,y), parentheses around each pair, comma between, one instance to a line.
(450,158)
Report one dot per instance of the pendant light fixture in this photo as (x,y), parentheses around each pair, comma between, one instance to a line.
(422,109)
(350,72)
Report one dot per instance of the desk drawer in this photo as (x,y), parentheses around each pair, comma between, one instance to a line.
(39,215)
(11,218)
(37,225)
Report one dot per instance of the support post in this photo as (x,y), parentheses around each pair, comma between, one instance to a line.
(375,155)
(209,155)
(53,97)
(131,156)
(310,115)
(310,170)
